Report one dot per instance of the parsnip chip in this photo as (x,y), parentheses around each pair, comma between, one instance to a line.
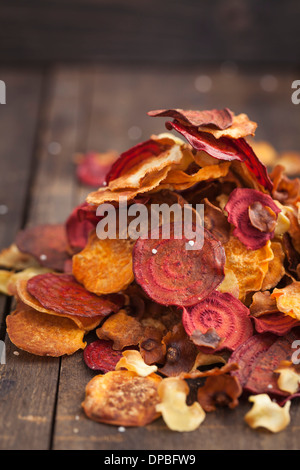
(84,323)
(122,398)
(132,360)
(276,269)
(13,258)
(42,334)
(289,377)
(24,275)
(288,299)
(122,329)
(267,414)
(177,415)
(230,283)
(104,266)
(5,276)
(249,266)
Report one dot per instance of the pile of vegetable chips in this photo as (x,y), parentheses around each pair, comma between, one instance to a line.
(184,325)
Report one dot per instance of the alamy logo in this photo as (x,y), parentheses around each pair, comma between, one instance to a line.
(296,94)
(2,353)
(2,92)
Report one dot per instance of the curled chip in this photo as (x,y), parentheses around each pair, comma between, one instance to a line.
(223,312)
(254,216)
(277,323)
(85,323)
(132,360)
(122,398)
(47,243)
(172,275)
(289,377)
(151,347)
(42,334)
(229,284)
(181,180)
(79,224)
(61,293)
(219,390)
(177,415)
(122,329)
(215,118)
(287,299)
(276,269)
(262,304)
(215,221)
(5,277)
(104,266)
(92,167)
(267,414)
(249,266)
(13,258)
(99,355)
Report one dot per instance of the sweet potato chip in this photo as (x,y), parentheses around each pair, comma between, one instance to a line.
(99,355)
(287,299)
(285,190)
(85,323)
(253,226)
(229,284)
(122,329)
(63,294)
(92,167)
(177,415)
(13,258)
(42,334)
(5,277)
(132,360)
(249,266)
(267,414)
(223,312)
(276,269)
(240,127)
(47,243)
(104,266)
(122,398)
(172,275)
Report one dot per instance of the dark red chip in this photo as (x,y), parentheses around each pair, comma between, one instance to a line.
(171,274)
(99,355)
(227,315)
(63,294)
(47,243)
(93,168)
(277,323)
(79,224)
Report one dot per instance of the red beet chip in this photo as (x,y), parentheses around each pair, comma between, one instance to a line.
(99,355)
(277,323)
(227,315)
(173,275)
(79,224)
(93,168)
(218,118)
(133,156)
(224,148)
(47,243)
(63,294)
(240,200)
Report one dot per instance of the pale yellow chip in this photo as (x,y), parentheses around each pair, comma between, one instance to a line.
(289,377)
(104,266)
(5,276)
(230,283)
(132,360)
(13,258)
(249,266)
(267,414)
(42,334)
(288,299)
(241,127)
(177,415)
(203,359)
(25,275)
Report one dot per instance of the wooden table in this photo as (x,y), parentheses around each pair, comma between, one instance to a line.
(53,113)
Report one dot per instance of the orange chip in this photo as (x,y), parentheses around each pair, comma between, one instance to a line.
(179,179)
(42,334)
(288,299)
(248,266)
(84,323)
(240,127)
(122,398)
(104,266)
(276,268)
(122,329)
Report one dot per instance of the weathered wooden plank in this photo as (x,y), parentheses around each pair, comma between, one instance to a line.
(30,383)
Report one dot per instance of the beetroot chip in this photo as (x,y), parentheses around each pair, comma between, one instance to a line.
(277,323)
(99,355)
(228,316)
(239,208)
(79,224)
(224,148)
(63,294)
(219,118)
(173,275)
(134,155)
(93,168)
(47,243)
